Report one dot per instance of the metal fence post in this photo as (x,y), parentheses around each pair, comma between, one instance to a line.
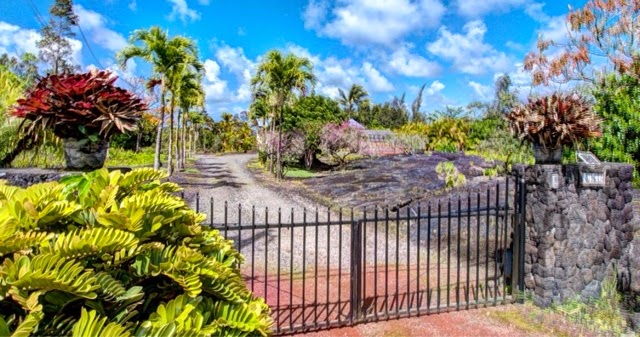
(356,272)
(522,232)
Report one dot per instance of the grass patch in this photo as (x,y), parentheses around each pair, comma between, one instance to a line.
(192,170)
(603,315)
(298,173)
(531,320)
(120,157)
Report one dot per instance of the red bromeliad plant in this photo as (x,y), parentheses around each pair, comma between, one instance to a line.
(554,121)
(80,106)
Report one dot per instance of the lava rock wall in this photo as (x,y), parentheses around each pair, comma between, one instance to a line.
(576,236)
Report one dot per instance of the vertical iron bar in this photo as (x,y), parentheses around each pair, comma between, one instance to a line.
(197,201)
(408,260)
(279,258)
(486,255)
(375,263)
(364,257)
(467,298)
(328,262)
(226,223)
(356,270)
(304,263)
(429,258)
(266,250)
(315,269)
(253,246)
(211,212)
(397,293)
(477,295)
(239,228)
(339,265)
(495,250)
(291,230)
(418,275)
(459,234)
(522,232)
(438,266)
(448,251)
(505,239)
(386,264)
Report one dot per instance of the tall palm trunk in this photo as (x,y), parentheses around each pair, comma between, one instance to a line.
(272,130)
(279,164)
(184,142)
(156,158)
(179,139)
(170,152)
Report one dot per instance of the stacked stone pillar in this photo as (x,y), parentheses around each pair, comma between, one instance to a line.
(576,235)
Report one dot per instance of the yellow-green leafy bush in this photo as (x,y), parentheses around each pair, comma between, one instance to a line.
(111,254)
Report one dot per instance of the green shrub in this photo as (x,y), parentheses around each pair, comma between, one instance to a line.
(603,314)
(449,173)
(111,254)
(120,157)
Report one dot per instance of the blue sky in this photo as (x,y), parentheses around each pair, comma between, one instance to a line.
(391,47)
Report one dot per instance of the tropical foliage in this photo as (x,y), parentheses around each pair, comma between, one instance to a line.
(276,79)
(448,172)
(618,104)
(80,106)
(555,120)
(170,58)
(112,254)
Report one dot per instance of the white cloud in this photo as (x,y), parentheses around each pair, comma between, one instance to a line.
(378,82)
(482,92)
(203,2)
(15,41)
(94,25)
(555,28)
(215,89)
(133,5)
(477,8)
(435,87)
(378,22)
(403,62)
(180,9)
(468,52)
(235,60)
(314,14)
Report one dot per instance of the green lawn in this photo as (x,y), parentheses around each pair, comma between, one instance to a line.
(299,173)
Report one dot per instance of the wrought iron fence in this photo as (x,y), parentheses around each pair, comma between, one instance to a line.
(326,268)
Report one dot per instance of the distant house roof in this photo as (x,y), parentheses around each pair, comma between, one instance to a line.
(354,124)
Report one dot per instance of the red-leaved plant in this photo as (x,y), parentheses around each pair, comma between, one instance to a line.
(80,106)
(554,121)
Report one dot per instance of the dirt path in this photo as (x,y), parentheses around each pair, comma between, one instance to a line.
(226,179)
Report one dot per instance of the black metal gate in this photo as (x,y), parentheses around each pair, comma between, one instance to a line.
(319,269)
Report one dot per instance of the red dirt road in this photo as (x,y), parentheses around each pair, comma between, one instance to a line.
(480,322)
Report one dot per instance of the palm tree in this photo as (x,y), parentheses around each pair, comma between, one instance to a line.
(281,75)
(165,55)
(190,94)
(357,94)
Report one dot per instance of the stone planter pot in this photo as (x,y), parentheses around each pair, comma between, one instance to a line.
(545,155)
(85,155)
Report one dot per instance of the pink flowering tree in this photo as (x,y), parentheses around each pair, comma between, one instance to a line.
(293,146)
(342,141)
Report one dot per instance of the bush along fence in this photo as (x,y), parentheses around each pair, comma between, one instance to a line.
(327,268)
